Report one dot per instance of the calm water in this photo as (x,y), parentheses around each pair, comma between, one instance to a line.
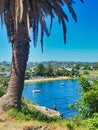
(53,92)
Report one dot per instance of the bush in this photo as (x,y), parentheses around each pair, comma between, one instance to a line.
(2,92)
(86,72)
(92,123)
(88,104)
(3,85)
(70,126)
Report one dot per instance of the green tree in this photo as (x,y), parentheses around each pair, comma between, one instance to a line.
(87,67)
(3,85)
(2,69)
(96,65)
(59,72)
(4,81)
(27,75)
(40,70)
(74,72)
(77,66)
(84,84)
(49,71)
(19,16)
(88,104)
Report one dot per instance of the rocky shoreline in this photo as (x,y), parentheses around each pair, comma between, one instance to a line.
(47,111)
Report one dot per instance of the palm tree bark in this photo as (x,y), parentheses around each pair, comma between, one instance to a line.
(20,52)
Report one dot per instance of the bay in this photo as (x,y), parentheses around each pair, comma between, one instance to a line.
(59,92)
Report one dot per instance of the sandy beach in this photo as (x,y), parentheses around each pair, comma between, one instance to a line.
(41,79)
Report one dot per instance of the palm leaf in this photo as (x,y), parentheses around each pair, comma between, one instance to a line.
(37,12)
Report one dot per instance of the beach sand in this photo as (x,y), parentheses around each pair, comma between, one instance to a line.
(41,79)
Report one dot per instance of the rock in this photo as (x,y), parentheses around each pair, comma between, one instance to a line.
(36,128)
(26,128)
(47,111)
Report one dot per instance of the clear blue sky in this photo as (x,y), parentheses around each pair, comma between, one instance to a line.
(82,38)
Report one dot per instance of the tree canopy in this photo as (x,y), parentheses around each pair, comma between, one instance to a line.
(87,106)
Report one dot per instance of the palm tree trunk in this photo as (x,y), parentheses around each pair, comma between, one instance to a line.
(20,51)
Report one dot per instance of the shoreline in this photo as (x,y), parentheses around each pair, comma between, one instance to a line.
(43,79)
(47,79)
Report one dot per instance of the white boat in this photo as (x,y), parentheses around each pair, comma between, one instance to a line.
(36,91)
(62,84)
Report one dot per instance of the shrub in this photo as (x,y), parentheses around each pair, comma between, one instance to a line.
(92,123)
(2,92)
(86,72)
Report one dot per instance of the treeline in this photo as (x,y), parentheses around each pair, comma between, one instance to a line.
(50,71)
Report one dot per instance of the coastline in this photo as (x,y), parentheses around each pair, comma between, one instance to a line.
(41,79)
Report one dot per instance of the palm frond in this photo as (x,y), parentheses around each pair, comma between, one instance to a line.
(72,12)
(37,12)
(51,22)
(64,29)
(18,12)
(41,40)
(35,30)
(2,5)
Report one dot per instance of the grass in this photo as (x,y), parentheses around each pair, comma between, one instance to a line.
(28,112)
(28,116)
(91,73)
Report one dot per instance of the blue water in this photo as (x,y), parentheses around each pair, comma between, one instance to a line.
(53,92)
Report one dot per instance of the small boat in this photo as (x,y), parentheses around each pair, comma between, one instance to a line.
(36,91)
(62,84)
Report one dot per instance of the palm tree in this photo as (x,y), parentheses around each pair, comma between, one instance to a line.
(19,16)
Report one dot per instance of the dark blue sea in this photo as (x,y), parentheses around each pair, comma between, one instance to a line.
(59,92)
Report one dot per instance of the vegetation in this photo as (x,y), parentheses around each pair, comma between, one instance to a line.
(87,106)
(40,70)
(3,85)
(27,75)
(50,71)
(28,112)
(86,72)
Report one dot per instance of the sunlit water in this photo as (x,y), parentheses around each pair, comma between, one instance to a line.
(53,92)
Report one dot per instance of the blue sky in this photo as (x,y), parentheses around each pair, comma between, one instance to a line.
(82,38)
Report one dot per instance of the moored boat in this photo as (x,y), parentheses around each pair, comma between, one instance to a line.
(36,91)
(62,84)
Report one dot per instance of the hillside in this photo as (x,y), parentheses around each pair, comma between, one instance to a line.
(13,120)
